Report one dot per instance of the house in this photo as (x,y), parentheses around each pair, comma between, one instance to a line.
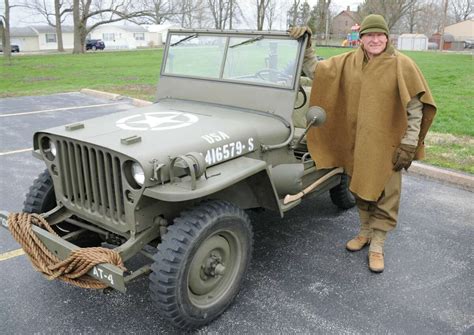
(342,23)
(38,38)
(43,38)
(161,30)
(461,31)
(125,37)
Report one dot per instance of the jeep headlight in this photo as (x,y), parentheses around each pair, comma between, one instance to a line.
(49,148)
(138,174)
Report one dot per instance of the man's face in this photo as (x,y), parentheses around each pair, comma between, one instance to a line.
(374,43)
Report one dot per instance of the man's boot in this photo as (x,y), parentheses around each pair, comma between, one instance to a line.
(363,238)
(376,261)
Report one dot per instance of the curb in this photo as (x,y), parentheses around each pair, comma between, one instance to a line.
(115,97)
(100,94)
(459,179)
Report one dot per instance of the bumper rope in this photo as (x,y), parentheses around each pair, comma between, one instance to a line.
(73,269)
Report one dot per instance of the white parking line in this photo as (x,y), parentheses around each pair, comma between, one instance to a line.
(59,109)
(15,152)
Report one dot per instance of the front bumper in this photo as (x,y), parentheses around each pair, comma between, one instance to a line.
(109,274)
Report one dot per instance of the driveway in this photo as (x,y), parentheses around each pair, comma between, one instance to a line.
(302,280)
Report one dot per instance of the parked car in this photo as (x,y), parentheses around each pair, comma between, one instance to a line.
(224,136)
(95,45)
(469,44)
(14,48)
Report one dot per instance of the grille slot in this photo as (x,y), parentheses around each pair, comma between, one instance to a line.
(91,180)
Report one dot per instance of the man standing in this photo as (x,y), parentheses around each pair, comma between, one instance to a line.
(379,108)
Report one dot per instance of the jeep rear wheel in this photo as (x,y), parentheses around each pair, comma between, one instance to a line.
(340,194)
(201,263)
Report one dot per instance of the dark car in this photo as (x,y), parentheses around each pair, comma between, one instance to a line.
(14,48)
(95,45)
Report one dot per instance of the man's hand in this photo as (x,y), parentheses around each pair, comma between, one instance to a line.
(403,156)
(297,32)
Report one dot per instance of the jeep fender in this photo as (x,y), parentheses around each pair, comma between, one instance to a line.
(243,181)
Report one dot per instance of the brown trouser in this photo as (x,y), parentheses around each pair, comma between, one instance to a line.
(383,213)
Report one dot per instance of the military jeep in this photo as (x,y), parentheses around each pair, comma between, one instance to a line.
(174,180)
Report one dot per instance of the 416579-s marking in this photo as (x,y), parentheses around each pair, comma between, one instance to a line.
(173,181)
(228,151)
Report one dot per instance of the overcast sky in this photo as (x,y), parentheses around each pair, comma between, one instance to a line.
(18,17)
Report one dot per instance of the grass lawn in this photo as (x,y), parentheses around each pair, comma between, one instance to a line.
(135,73)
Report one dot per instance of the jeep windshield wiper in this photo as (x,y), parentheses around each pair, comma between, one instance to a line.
(252,40)
(184,39)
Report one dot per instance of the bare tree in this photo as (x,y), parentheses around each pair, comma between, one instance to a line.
(219,12)
(102,12)
(54,12)
(391,10)
(430,17)
(5,30)
(155,11)
(462,9)
(293,13)
(224,12)
(262,6)
(411,21)
(320,17)
(270,13)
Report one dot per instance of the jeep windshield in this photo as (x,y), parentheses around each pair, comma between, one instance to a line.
(253,59)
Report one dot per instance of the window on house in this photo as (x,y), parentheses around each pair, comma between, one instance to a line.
(139,36)
(50,38)
(108,36)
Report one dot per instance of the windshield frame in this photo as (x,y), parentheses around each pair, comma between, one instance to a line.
(228,35)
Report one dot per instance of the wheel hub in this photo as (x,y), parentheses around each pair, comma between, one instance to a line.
(208,267)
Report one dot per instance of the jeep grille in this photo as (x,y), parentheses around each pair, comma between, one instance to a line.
(91,180)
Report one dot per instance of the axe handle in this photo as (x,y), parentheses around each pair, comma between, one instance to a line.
(293,197)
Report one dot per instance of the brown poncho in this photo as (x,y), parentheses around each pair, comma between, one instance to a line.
(366,115)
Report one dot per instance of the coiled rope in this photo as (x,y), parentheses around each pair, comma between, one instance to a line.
(73,269)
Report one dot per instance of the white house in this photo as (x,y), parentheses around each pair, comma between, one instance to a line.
(161,30)
(25,37)
(37,38)
(125,37)
(43,38)
(48,40)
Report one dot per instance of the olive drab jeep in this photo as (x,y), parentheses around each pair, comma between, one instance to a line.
(173,181)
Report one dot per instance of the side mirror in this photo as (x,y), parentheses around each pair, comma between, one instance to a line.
(315,116)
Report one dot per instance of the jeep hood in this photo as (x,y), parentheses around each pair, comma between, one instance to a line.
(176,127)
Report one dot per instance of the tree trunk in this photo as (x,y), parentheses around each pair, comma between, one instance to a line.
(59,31)
(76,13)
(7,48)
(260,14)
(231,13)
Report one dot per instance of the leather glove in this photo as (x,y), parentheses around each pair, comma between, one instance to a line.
(297,32)
(403,156)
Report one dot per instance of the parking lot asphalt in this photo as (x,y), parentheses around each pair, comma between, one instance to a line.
(302,280)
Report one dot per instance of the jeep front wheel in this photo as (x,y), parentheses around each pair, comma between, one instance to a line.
(201,263)
(41,199)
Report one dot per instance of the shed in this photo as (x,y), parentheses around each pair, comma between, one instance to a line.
(412,42)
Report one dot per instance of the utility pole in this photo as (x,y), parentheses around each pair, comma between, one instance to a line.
(441,40)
